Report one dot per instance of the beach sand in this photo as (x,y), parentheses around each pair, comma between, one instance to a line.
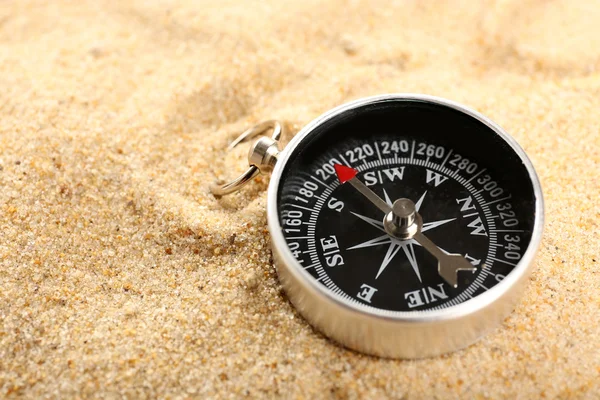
(122,276)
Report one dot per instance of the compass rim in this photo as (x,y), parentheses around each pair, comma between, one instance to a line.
(466,308)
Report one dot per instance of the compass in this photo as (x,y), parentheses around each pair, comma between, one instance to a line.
(402,225)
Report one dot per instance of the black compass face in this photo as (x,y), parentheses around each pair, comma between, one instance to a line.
(469,186)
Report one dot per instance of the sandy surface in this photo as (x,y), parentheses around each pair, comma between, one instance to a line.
(121,275)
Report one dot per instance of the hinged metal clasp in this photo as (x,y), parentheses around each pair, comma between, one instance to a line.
(261,157)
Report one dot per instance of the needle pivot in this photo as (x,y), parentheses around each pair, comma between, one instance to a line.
(403,221)
(403,212)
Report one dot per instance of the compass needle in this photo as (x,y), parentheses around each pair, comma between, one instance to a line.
(402,221)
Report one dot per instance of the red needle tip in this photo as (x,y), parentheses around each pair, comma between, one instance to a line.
(344,173)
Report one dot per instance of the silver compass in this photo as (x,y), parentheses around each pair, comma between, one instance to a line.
(402,225)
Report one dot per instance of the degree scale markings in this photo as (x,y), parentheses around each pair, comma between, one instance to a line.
(454,174)
(378,161)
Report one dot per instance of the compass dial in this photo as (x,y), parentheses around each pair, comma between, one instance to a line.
(471,189)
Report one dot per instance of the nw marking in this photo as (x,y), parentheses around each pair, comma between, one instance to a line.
(478,227)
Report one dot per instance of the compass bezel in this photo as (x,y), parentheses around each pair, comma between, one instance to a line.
(312,298)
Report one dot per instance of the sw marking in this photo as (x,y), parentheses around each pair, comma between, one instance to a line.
(388,175)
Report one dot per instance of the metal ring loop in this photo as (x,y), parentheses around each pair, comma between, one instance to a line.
(252,171)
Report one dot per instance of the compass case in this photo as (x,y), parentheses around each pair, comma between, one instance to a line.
(400,334)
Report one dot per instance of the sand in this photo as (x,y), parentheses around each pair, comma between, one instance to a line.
(122,276)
